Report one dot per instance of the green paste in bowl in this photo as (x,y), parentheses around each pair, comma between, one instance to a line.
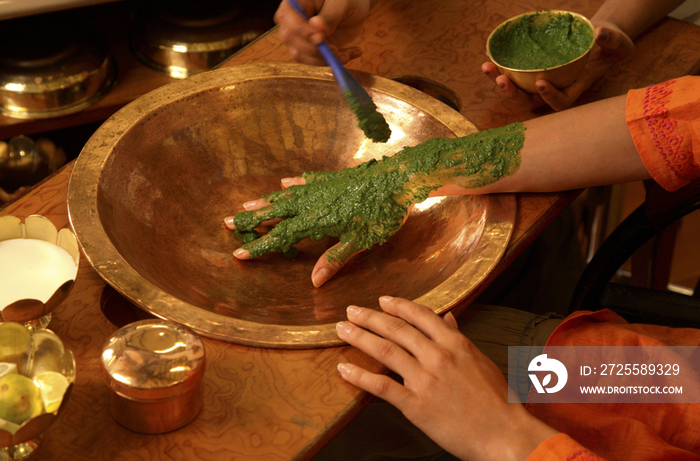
(540,41)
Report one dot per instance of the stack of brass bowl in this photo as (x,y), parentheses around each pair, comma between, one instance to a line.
(50,68)
(183,38)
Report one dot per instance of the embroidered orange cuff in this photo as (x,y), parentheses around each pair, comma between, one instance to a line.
(663,121)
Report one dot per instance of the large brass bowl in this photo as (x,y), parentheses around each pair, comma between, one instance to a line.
(149,192)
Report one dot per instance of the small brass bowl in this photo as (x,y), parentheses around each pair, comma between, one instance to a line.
(38,268)
(36,355)
(561,75)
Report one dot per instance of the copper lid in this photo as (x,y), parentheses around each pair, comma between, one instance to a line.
(152,360)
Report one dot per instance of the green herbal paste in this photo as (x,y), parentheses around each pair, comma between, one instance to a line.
(371,122)
(531,43)
(366,205)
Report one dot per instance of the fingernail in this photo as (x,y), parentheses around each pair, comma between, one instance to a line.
(354,54)
(603,35)
(343,328)
(353,311)
(229,221)
(247,205)
(541,89)
(385,299)
(286,182)
(321,277)
(502,86)
(344,369)
(240,253)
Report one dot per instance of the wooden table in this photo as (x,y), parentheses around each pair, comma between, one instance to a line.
(263,404)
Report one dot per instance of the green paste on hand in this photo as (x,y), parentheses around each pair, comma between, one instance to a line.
(365,205)
(247,237)
(531,44)
(291,253)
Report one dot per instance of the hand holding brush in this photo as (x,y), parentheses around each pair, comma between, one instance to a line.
(370,120)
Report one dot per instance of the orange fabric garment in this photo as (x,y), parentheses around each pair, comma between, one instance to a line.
(634,432)
(664,121)
(562,447)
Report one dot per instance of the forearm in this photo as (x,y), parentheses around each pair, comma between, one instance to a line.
(633,17)
(581,147)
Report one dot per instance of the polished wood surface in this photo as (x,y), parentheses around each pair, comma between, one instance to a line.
(264,404)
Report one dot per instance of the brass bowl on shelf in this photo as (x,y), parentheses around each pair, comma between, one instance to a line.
(149,192)
(561,75)
(50,68)
(183,38)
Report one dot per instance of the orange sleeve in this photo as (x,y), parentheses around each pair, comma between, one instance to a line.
(664,121)
(622,431)
(561,447)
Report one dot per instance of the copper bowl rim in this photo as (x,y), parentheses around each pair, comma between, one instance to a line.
(578,16)
(110,265)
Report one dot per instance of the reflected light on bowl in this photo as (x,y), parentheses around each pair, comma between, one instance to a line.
(428,203)
(360,154)
(396,134)
(177,72)
(15,87)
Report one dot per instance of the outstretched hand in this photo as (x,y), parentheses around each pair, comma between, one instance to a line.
(450,390)
(612,46)
(365,205)
(362,206)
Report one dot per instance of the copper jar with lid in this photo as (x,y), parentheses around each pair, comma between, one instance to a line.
(154,370)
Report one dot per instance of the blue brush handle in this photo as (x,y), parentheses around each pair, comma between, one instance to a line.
(371,122)
(342,76)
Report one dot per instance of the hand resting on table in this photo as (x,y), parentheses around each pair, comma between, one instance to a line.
(451,391)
